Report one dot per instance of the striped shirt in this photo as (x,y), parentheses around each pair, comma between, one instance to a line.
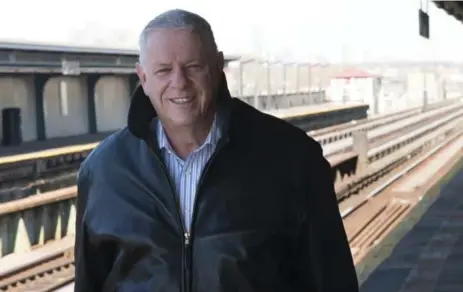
(185,174)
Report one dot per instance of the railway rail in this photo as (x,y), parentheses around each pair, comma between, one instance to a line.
(389,157)
(385,138)
(53,271)
(332,134)
(345,145)
(336,133)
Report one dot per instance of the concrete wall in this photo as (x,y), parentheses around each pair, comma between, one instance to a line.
(112,100)
(19,92)
(65,107)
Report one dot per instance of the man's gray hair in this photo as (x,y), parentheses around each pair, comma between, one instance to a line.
(178,18)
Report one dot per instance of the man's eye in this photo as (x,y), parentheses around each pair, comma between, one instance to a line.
(195,66)
(162,71)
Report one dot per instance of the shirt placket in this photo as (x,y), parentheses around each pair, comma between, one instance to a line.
(187,191)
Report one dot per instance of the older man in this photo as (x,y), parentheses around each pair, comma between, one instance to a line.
(202,192)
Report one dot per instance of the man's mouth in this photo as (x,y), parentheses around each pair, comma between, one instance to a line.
(182,100)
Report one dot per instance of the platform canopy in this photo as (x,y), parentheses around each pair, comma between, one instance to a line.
(453,8)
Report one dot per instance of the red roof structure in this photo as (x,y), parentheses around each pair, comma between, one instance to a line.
(352,73)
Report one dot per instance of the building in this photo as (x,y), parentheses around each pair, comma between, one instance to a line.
(355,85)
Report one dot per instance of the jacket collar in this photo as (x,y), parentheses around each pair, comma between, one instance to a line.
(141,111)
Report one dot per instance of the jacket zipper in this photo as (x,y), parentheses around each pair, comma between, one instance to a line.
(186,263)
(187,236)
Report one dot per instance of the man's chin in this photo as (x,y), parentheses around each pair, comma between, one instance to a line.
(186,122)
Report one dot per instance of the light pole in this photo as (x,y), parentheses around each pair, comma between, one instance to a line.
(423,18)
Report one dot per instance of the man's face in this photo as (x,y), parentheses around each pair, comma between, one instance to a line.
(180,75)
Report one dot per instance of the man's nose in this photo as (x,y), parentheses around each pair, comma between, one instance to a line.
(179,78)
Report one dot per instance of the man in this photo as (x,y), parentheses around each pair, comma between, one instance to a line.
(202,192)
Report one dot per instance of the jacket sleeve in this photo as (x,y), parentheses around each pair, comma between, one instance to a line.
(89,273)
(324,258)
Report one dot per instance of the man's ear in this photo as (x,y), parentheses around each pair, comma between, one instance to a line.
(141,75)
(220,62)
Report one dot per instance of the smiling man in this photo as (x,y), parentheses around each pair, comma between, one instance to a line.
(201,192)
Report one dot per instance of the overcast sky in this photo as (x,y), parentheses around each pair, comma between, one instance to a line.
(301,30)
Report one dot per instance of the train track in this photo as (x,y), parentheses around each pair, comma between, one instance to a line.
(397,126)
(370,217)
(44,275)
(390,156)
(335,133)
(377,141)
(382,139)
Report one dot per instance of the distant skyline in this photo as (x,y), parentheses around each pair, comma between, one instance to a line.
(299,30)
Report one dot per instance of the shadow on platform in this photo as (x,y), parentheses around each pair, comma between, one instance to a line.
(430,256)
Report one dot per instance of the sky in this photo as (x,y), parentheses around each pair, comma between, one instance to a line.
(290,30)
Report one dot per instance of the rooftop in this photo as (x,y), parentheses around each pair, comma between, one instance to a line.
(352,73)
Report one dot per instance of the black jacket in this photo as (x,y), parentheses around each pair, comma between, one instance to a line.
(266,217)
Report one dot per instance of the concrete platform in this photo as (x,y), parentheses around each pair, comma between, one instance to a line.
(430,256)
(52,147)
(300,111)
(423,175)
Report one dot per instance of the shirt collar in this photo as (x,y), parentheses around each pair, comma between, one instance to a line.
(212,138)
